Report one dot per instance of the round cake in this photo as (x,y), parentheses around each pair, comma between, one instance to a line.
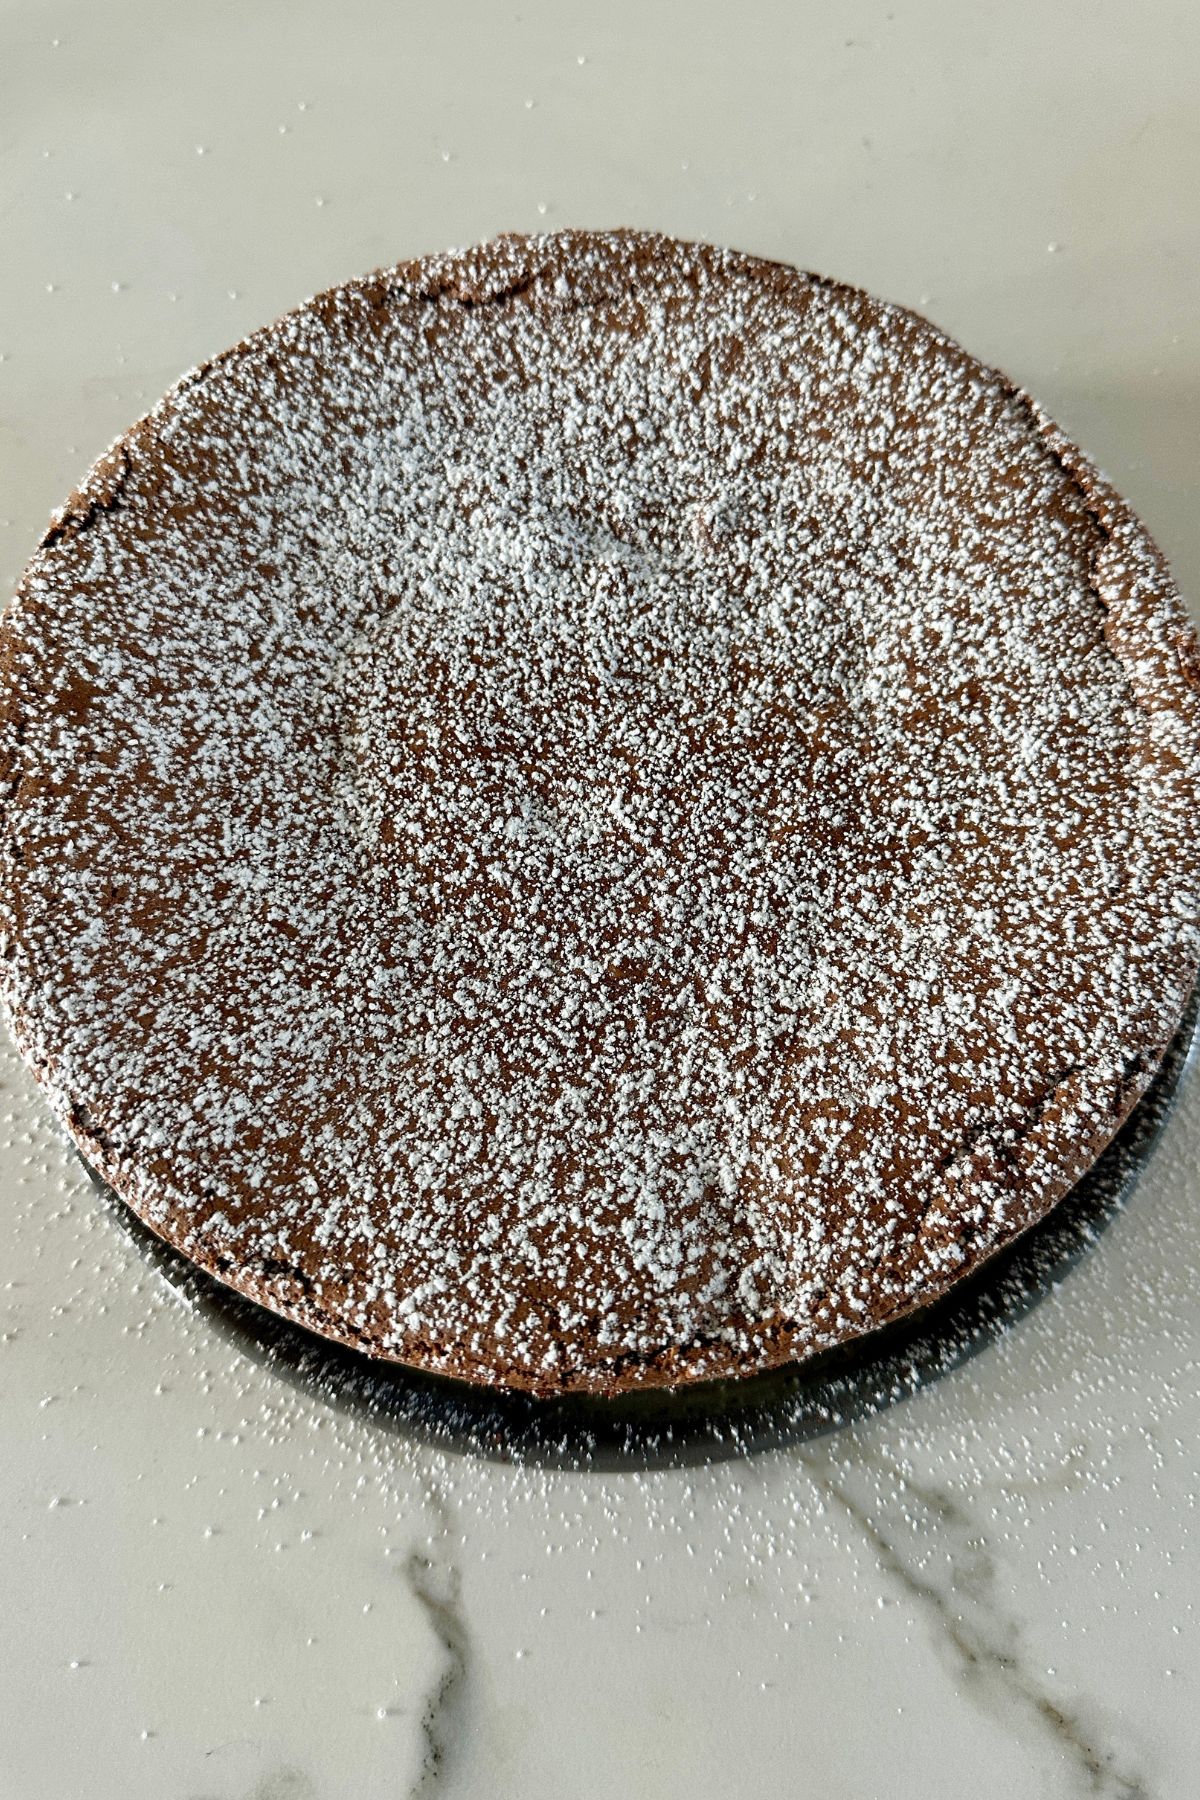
(596,812)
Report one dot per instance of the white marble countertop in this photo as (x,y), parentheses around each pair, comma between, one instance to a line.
(231,1573)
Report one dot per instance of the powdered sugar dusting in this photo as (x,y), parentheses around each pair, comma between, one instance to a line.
(595,811)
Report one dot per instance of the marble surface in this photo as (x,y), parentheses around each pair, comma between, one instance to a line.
(238,1569)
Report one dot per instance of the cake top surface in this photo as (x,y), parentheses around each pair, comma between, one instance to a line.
(596,811)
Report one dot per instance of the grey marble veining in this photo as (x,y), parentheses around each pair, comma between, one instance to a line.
(928,1541)
(436,1582)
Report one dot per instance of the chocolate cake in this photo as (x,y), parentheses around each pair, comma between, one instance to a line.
(596,812)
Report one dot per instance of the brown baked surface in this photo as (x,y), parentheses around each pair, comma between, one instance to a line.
(596,812)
